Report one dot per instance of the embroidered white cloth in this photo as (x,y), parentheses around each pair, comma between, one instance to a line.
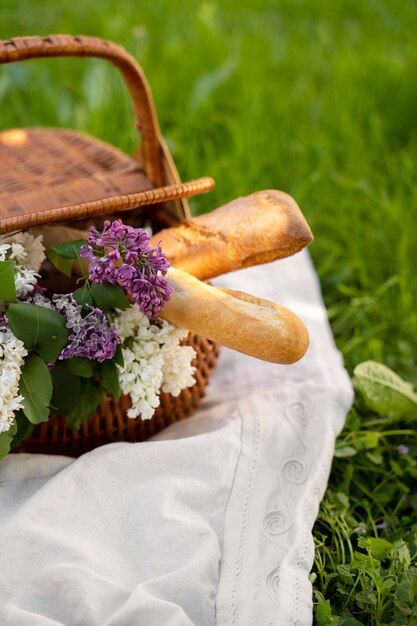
(208,524)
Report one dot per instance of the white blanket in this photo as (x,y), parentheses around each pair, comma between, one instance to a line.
(209,523)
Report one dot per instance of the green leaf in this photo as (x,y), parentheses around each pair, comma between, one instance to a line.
(61,264)
(344,572)
(380,548)
(83,295)
(36,389)
(375,457)
(342,498)
(324,615)
(384,391)
(366,598)
(90,397)
(109,296)
(351,621)
(69,250)
(344,451)
(118,357)
(407,589)
(13,428)
(396,467)
(80,366)
(40,329)
(23,428)
(110,378)
(371,439)
(7,283)
(403,553)
(66,389)
(5,444)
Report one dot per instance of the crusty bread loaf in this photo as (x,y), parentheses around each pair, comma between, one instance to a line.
(237,320)
(262,227)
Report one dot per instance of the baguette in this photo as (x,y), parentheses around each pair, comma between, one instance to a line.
(263,227)
(254,326)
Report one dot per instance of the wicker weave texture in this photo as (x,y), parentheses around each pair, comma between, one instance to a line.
(53,168)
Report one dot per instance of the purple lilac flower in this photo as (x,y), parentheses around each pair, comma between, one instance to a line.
(92,337)
(122,254)
(3,321)
(37,297)
(402,449)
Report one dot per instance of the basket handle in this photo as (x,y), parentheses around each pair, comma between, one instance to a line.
(22,48)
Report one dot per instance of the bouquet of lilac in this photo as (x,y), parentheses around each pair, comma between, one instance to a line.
(61,353)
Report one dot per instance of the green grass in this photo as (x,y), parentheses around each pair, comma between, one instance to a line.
(314,98)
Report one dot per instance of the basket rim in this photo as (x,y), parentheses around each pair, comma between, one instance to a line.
(106,205)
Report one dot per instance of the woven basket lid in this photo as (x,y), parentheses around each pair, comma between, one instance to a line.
(53,175)
(41,168)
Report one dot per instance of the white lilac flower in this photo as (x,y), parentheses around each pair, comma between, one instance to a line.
(141,378)
(177,370)
(4,249)
(28,253)
(25,281)
(12,354)
(153,359)
(17,252)
(26,249)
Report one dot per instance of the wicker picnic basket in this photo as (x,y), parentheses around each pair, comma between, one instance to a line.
(49,175)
